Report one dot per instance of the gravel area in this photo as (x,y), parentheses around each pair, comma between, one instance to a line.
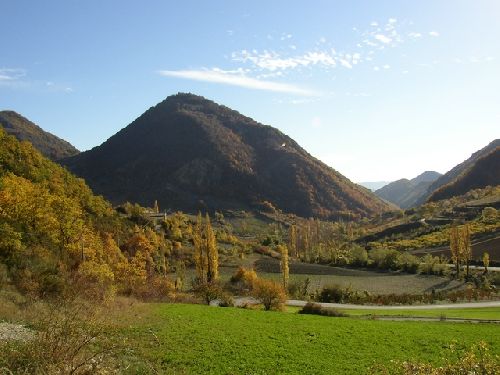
(10,332)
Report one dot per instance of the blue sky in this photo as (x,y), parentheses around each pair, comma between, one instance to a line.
(379,90)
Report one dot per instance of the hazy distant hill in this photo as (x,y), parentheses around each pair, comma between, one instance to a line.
(459,169)
(190,153)
(406,193)
(24,130)
(374,185)
(485,171)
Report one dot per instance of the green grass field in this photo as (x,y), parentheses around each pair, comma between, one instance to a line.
(194,339)
(490,313)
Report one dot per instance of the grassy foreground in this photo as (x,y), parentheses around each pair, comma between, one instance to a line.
(175,338)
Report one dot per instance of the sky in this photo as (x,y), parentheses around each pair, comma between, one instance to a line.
(379,90)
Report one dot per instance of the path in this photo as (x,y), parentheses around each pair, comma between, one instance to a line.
(298,303)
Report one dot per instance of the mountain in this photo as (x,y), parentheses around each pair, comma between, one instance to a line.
(374,185)
(24,130)
(484,172)
(190,153)
(459,169)
(406,193)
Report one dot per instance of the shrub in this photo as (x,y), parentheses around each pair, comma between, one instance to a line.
(209,292)
(69,340)
(270,293)
(243,279)
(317,309)
(359,256)
(408,262)
(385,259)
(299,289)
(333,293)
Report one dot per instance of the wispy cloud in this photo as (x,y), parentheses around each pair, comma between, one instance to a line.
(382,38)
(237,78)
(10,75)
(433,33)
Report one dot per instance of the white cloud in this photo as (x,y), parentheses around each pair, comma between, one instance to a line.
(237,78)
(382,38)
(433,33)
(415,35)
(374,24)
(8,75)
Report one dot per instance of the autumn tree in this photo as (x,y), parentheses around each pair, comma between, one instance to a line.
(486,261)
(455,248)
(211,251)
(200,260)
(292,240)
(466,246)
(283,250)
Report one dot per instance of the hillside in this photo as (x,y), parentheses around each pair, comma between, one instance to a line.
(459,169)
(24,130)
(405,193)
(484,172)
(190,153)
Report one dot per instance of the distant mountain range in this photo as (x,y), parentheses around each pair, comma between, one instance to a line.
(462,168)
(23,129)
(190,153)
(374,185)
(406,193)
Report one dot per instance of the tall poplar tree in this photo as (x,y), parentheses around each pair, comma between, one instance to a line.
(285,271)
(211,251)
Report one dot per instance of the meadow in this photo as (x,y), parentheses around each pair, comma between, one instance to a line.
(192,339)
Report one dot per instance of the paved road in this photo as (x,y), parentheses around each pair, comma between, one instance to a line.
(298,303)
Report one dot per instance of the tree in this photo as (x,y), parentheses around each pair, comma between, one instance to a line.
(270,293)
(466,246)
(211,251)
(292,240)
(283,250)
(486,261)
(455,248)
(200,260)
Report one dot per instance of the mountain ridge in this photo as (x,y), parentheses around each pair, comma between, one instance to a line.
(404,192)
(192,153)
(48,144)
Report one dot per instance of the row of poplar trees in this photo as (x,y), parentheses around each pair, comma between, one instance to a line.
(206,254)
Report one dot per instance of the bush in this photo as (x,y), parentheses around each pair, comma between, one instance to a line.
(270,293)
(243,279)
(209,292)
(359,256)
(408,262)
(385,259)
(69,340)
(299,289)
(317,309)
(333,294)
